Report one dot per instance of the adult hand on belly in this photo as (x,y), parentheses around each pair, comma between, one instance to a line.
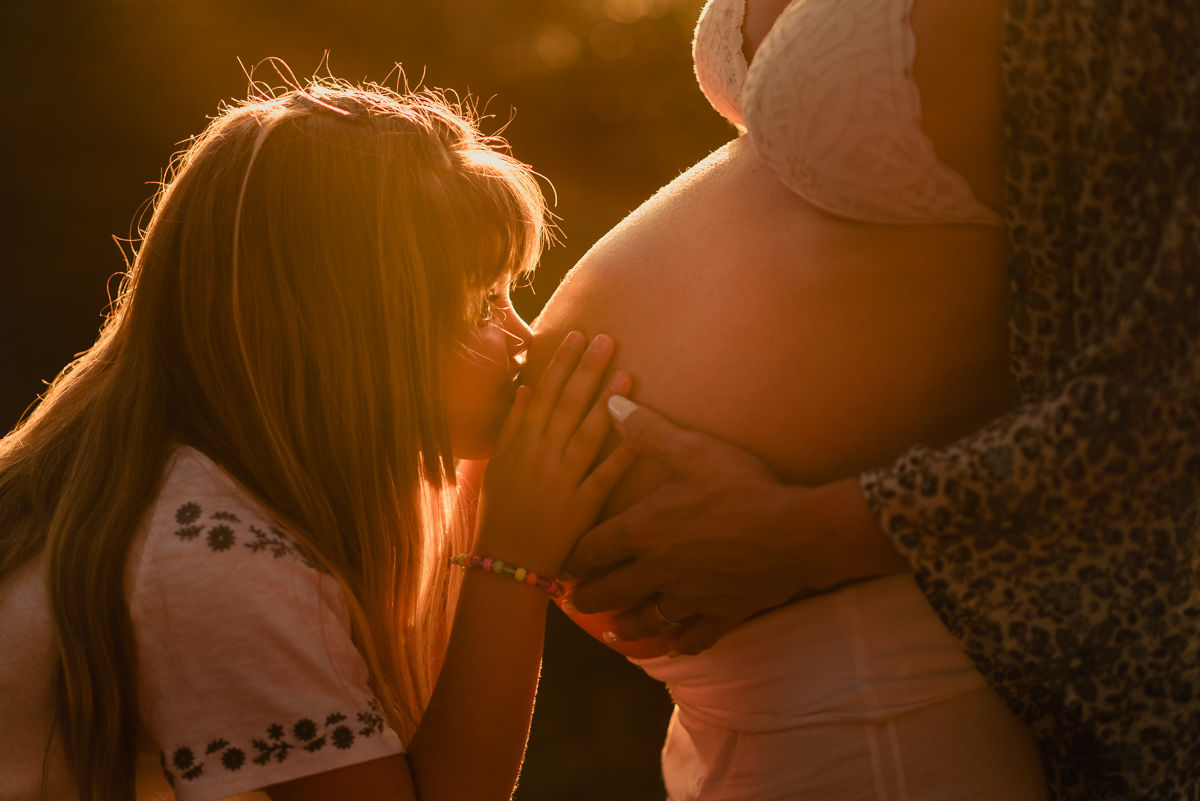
(718,543)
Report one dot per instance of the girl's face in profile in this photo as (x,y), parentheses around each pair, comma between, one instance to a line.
(480,377)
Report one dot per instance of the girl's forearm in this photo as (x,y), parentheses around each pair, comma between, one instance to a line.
(543,489)
(471,740)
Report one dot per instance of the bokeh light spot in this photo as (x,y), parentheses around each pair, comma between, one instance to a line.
(558,47)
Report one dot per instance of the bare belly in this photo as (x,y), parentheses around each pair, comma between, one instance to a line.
(824,345)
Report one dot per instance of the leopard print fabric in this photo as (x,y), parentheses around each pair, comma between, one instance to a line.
(1059,544)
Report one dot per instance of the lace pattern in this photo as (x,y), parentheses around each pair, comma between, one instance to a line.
(717,57)
(831,104)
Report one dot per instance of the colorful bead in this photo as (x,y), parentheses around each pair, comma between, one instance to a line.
(500,568)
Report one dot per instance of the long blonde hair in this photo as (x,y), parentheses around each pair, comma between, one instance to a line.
(311,257)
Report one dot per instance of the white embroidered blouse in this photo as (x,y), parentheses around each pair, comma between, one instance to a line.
(247,672)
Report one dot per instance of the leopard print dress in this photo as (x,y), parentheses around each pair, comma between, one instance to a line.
(1059,544)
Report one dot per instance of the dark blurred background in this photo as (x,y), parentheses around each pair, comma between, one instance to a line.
(99,93)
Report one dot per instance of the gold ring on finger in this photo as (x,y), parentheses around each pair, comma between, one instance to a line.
(663,618)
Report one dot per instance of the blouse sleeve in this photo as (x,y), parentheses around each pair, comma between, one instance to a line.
(1059,543)
(247,672)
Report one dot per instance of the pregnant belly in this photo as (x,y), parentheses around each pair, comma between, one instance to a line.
(824,345)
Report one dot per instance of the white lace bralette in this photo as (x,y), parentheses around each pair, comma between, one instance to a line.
(832,107)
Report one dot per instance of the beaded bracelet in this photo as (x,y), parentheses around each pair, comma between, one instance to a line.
(552,586)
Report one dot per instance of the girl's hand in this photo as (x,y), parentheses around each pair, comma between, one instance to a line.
(541,491)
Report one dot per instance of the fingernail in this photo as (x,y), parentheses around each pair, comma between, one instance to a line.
(567,606)
(610,637)
(620,407)
(602,342)
(573,338)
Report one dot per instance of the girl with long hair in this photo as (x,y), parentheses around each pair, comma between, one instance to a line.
(226,529)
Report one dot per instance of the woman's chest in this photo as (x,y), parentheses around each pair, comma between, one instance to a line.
(879,93)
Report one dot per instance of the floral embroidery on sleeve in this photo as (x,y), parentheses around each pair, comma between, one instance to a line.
(221,536)
(336,731)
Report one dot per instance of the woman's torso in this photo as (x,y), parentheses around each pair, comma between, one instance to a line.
(827,344)
(824,344)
